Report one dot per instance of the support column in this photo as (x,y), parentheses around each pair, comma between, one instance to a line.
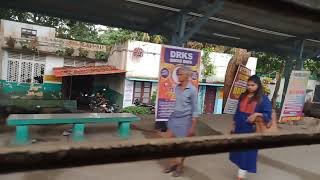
(179,31)
(287,71)
(300,59)
(289,67)
(181,37)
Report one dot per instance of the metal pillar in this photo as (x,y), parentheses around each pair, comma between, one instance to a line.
(212,9)
(300,59)
(181,36)
(179,31)
(287,72)
(299,47)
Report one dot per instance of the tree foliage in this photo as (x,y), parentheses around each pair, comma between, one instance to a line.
(313,65)
(208,67)
(268,62)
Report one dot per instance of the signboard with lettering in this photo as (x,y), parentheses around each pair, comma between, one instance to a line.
(90,70)
(238,87)
(171,60)
(294,100)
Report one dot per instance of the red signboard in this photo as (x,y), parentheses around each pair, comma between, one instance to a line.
(90,70)
(238,87)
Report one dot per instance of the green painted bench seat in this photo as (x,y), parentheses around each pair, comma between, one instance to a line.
(22,121)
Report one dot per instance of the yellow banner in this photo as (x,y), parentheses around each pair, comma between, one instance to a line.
(52,78)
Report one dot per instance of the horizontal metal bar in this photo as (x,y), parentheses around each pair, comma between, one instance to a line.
(52,156)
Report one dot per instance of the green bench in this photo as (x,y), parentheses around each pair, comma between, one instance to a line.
(23,121)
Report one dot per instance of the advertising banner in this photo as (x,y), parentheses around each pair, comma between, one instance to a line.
(238,87)
(171,60)
(294,100)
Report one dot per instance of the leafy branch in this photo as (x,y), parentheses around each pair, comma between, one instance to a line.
(208,67)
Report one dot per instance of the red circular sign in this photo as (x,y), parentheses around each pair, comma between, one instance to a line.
(138,52)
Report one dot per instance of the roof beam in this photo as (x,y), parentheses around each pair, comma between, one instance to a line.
(212,9)
(314,55)
(246,44)
(310,4)
(156,26)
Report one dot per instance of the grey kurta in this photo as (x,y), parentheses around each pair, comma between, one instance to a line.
(185,109)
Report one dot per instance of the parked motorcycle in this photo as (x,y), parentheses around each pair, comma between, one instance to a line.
(148,105)
(103,106)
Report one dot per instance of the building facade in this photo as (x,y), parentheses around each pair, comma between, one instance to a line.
(141,60)
(29,55)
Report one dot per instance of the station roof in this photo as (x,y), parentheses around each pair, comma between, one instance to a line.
(272,25)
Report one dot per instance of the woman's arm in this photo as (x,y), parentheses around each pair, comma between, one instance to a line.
(265,113)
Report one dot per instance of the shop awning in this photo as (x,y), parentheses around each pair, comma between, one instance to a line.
(90,70)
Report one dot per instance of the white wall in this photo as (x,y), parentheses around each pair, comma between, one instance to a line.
(220,61)
(146,66)
(53,62)
(128,93)
(13,29)
(252,64)
(1,60)
(4,65)
(118,55)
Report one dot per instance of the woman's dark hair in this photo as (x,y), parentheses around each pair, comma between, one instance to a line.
(258,95)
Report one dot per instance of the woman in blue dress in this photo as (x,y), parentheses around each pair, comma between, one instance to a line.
(252,105)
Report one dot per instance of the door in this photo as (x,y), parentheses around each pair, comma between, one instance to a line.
(210,99)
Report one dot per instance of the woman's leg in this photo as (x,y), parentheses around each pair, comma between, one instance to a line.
(242,174)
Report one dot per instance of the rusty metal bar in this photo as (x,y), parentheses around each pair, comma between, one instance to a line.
(54,156)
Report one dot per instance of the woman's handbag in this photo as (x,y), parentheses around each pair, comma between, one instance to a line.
(261,126)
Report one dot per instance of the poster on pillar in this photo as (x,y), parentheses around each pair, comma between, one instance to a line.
(172,58)
(294,100)
(238,87)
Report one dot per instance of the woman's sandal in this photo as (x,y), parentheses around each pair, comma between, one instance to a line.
(177,172)
(170,169)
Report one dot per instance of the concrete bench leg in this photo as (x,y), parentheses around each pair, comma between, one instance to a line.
(78,132)
(124,129)
(22,135)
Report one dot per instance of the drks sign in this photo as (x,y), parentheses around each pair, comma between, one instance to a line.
(171,60)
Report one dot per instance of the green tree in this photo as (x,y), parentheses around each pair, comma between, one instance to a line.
(83,32)
(268,62)
(208,67)
(115,35)
(313,65)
